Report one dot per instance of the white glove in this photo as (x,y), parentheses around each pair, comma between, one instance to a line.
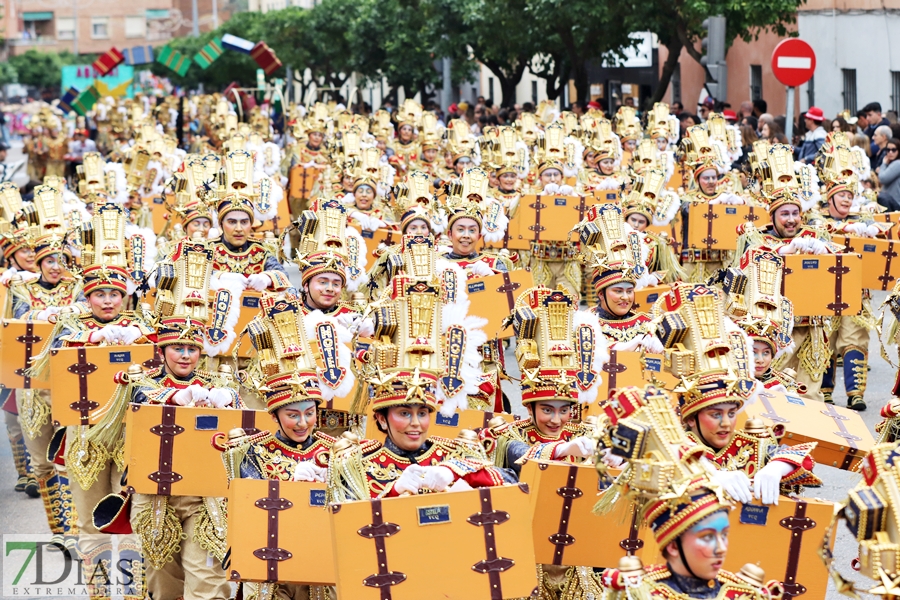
(767,482)
(735,483)
(347,319)
(111,334)
(727,199)
(223,279)
(480,268)
(610,459)
(438,478)
(550,189)
(580,447)
(219,398)
(306,470)
(651,344)
(566,190)
(258,281)
(366,327)
(410,480)
(130,334)
(213,233)
(7,275)
(44,315)
(855,228)
(183,397)
(872,231)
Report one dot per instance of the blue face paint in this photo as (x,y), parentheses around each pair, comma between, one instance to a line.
(718,522)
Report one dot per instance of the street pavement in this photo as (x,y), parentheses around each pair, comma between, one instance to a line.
(22,515)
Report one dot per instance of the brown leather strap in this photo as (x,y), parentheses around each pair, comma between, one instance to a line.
(843,432)
(153,362)
(582,207)
(770,413)
(613,367)
(710,215)
(493,565)
(633,543)
(29,339)
(509,287)
(838,270)
(569,493)
(752,217)
(797,524)
(83,368)
(537,205)
(787,271)
(377,531)
(886,278)
(164,476)
(248,422)
(271,553)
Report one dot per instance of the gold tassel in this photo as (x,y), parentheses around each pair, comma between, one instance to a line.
(109,432)
(85,460)
(41,361)
(814,354)
(211,530)
(347,481)
(160,532)
(34,413)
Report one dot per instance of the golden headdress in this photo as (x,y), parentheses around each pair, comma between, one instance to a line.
(561,350)
(710,354)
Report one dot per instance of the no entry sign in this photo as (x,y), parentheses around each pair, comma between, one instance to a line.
(793,62)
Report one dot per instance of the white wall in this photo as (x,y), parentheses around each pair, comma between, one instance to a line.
(868,42)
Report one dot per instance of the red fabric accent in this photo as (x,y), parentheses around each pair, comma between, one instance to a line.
(10,404)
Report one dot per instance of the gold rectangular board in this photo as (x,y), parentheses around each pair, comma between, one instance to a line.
(264,517)
(823,284)
(483,539)
(169,451)
(82,380)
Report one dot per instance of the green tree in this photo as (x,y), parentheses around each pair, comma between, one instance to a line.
(679,25)
(583,31)
(500,34)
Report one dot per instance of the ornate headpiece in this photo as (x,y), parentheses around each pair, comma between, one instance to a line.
(105,277)
(298,347)
(628,126)
(415,199)
(650,198)
(670,518)
(560,350)
(613,251)
(329,245)
(425,347)
(754,300)
(180,330)
(705,349)
(282,389)
(103,243)
(47,245)
(784,181)
(469,199)
(699,152)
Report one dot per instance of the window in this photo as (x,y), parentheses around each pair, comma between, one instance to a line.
(849,90)
(491,88)
(65,28)
(756,82)
(136,27)
(895,91)
(534,93)
(99,28)
(157,13)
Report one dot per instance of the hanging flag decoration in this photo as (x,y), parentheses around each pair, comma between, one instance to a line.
(265,58)
(174,59)
(209,53)
(65,103)
(139,55)
(233,42)
(86,100)
(108,61)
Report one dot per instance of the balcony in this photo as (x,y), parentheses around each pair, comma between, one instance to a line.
(35,42)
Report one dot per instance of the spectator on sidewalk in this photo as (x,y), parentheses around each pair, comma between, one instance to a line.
(889,174)
(874,120)
(815,135)
(879,144)
(760,107)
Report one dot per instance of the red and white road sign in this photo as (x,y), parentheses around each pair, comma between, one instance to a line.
(793,62)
